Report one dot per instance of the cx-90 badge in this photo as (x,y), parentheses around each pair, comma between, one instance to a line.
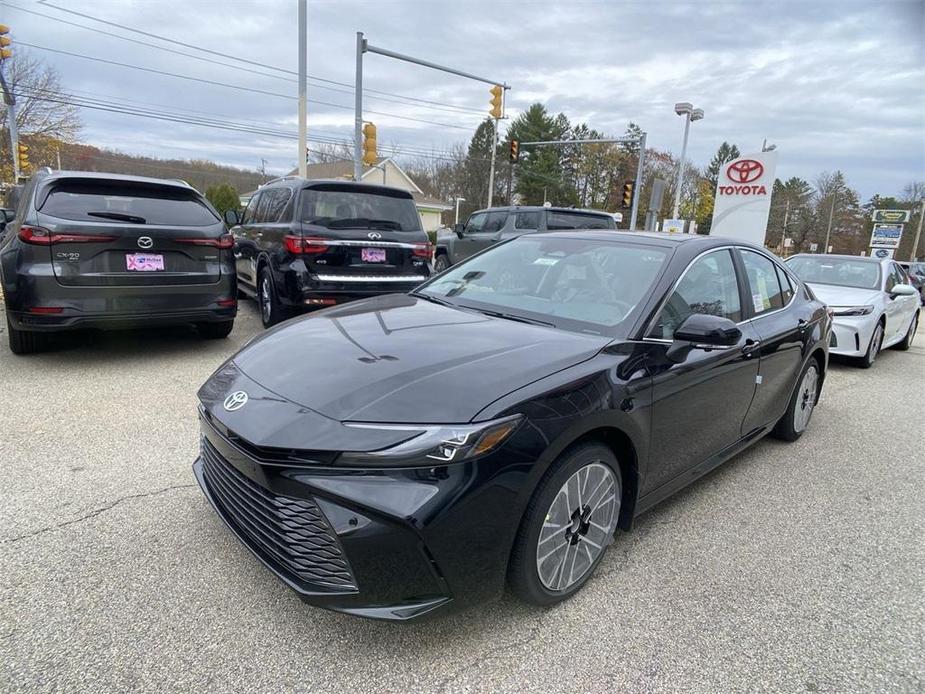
(145,242)
(235,401)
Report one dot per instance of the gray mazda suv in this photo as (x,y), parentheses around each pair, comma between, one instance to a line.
(96,250)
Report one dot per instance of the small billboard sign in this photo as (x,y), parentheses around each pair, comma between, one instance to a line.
(673,226)
(891,216)
(886,235)
(882,253)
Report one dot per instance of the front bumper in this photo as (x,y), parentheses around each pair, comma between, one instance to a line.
(394,544)
(851,335)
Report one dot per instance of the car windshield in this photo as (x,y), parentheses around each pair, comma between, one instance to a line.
(124,202)
(348,207)
(585,285)
(842,272)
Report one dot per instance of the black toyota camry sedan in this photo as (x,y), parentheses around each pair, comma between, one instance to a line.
(413,453)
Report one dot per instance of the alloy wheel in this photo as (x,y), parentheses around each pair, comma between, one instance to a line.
(265,302)
(578,527)
(876,342)
(913,329)
(806,399)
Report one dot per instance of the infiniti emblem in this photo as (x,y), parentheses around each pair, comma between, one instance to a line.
(374,235)
(145,242)
(235,401)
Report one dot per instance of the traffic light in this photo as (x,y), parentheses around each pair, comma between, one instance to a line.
(515,150)
(5,42)
(628,193)
(370,156)
(497,93)
(23,157)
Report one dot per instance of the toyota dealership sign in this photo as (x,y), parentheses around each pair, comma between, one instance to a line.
(743,197)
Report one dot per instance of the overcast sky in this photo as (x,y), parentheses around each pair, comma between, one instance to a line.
(835,85)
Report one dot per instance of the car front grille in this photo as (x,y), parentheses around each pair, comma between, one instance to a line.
(291,533)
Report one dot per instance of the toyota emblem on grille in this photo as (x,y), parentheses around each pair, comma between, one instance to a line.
(745,171)
(235,401)
(145,242)
(374,235)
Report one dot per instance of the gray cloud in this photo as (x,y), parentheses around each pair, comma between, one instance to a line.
(833,84)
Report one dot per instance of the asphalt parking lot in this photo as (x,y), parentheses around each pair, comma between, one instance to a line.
(794,567)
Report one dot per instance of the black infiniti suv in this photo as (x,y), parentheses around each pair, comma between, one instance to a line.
(99,250)
(305,244)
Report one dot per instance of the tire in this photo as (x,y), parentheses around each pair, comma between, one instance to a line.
(25,341)
(441,263)
(873,349)
(791,426)
(550,564)
(906,342)
(271,312)
(215,331)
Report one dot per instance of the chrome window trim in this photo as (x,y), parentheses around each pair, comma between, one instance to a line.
(367,244)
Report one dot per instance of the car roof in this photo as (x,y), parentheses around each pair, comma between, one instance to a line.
(538,208)
(299,182)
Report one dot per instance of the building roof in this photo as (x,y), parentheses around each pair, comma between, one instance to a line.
(422,200)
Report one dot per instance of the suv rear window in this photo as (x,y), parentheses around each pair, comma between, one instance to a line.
(100,201)
(558,219)
(347,207)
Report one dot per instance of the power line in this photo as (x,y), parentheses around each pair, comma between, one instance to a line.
(436,105)
(234,86)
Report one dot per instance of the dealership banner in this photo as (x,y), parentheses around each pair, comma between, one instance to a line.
(743,197)
(886,235)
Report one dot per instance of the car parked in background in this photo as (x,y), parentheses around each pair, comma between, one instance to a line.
(488,227)
(303,244)
(411,453)
(6,216)
(98,250)
(916,273)
(874,305)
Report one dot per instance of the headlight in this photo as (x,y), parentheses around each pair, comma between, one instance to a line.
(434,444)
(852,310)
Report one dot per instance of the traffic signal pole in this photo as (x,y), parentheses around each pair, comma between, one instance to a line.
(303,78)
(10,100)
(364,46)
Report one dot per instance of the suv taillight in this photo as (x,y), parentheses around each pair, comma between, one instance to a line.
(223,241)
(38,236)
(423,250)
(299,245)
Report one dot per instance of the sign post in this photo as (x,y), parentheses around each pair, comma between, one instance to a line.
(743,197)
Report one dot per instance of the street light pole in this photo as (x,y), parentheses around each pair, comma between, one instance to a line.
(690,114)
(918,233)
(303,80)
(828,231)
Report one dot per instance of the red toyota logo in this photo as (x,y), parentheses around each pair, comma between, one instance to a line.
(745,171)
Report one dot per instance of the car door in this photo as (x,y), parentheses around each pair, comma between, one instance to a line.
(465,246)
(905,306)
(244,251)
(490,233)
(783,327)
(896,307)
(700,404)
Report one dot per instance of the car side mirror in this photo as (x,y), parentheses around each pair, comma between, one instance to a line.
(903,290)
(459,229)
(232,218)
(702,331)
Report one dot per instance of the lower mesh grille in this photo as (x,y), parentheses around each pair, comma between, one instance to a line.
(292,533)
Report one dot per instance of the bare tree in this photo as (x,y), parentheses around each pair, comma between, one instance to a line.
(914,191)
(42,108)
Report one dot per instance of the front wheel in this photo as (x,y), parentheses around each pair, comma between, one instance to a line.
(910,334)
(271,312)
(791,426)
(568,525)
(873,349)
(441,263)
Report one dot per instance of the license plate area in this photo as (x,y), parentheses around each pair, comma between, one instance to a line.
(144,262)
(372,255)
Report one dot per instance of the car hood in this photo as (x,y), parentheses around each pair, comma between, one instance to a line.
(402,359)
(844,296)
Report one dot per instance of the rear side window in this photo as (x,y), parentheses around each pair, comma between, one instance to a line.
(557,219)
(763,285)
(527,220)
(100,201)
(494,222)
(276,200)
(785,287)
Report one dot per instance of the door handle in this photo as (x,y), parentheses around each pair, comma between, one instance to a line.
(750,346)
(802,323)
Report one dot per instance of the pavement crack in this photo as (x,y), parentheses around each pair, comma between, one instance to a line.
(95,512)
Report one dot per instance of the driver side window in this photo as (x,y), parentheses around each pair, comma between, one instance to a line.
(708,286)
(476,222)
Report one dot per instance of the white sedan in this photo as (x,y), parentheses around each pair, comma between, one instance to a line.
(874,304)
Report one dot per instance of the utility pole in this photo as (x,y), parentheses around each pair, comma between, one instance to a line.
(828,231)
(491,171)
(918,232)
(10,102)
(783,234)
(303,80)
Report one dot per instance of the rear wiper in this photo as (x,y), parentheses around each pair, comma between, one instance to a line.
(121,216)
(385,224)
(519,319)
